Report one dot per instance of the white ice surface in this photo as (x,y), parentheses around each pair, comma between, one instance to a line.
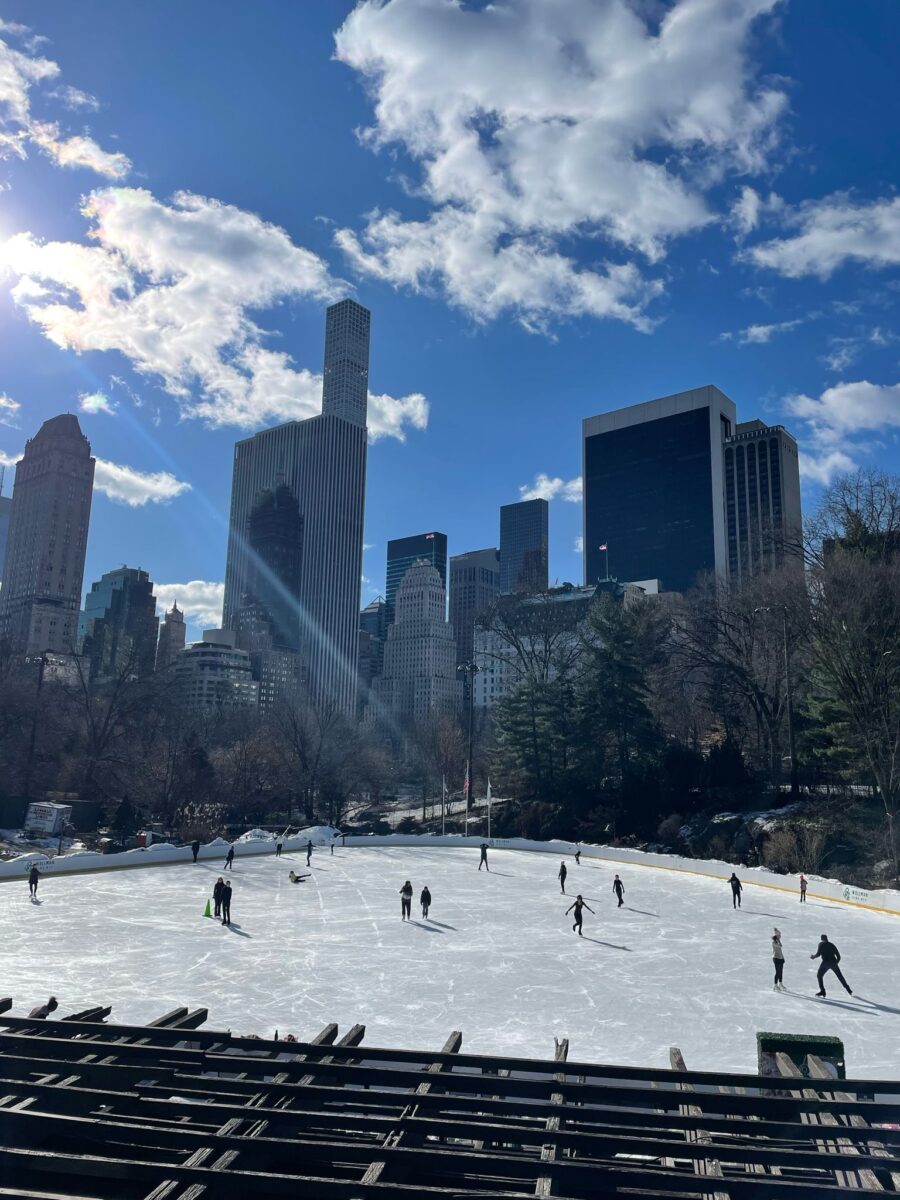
(498,959)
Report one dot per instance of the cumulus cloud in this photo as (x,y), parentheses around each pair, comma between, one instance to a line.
(823,468)
(136,488)
(96,402)
(832,232)
(579,545)
(536,124)
(9,410)
(199,600)
(842,421)
(172,286)
(547,487)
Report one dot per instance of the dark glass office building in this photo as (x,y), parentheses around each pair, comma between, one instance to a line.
(654,489)
(762,497)
(403,552)
(523,547)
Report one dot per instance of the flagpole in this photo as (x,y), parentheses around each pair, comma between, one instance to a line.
(489,807)
(606,556)
(443,805)
(468,789)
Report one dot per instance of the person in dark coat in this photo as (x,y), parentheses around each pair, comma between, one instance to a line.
(425,901)
(578,858)
(43,1011)
(406,901)
(195,848)
(226,903)
(802,888)
(34,877)
(561,876)
(578,904)
(218,889)
(736,890)
(619,889)
(830,956)
(308,851)
(483,862)
(229,859)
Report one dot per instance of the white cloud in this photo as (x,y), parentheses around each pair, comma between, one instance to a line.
(842,351)
(760,334)
(78,150)
(841,422)
(9,409)
(536,124)
(579,545)
(96,402)
(823,468)
(832,232)
(750,207)
(136,488)
(199,600)
(73,98)
(172,287)
(547,487)
(9,460)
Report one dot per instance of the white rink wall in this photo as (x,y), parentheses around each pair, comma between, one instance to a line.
(258,841)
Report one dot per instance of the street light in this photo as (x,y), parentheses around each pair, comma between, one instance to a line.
(468,671)
(789,691)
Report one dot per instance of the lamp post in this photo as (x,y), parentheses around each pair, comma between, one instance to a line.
(788,688)
(29,764)
(468,671)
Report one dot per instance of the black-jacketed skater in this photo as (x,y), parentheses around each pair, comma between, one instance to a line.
(226,903)
(195,849)
(483,862)
(736,890)
(830,956)
(802,888)
(332,845)
(43,1011)
(34,876)
(619,889)
(218,889)
(778,959)
(406,901)
(562,877)
(308,851)
(229,859)
(578,858)
(425,901)
(578,904)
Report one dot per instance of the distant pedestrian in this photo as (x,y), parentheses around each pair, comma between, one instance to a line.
(195,849)
(279,845)
(308,850)
(778,959)
(229,859)
(830,956)
(333,840)
(736,890)
(43,1011)
(406,901)
(483,862)
(425,901)
(802,888)
(218,889)
(34,877)
(619,889)
(578,904)
(226,903)
(578,858)
(562,877)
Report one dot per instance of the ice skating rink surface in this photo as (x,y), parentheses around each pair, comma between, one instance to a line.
(497,958)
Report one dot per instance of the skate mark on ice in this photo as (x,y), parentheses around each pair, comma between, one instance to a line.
(754,912)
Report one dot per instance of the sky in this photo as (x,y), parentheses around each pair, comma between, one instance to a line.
(551,209)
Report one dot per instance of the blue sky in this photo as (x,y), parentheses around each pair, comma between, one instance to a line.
(551,209)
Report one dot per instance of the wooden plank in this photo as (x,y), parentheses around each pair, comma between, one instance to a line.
(818,1070)
(707,1166)
(544,1184)
(5,1003)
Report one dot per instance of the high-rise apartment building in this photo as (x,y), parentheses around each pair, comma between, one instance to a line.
(275,550)
(474,588)
(762,497)
(403,552)
(213,675)
(172,636)
(524,530)
(5,510)
(43,568)
(654,489)
(322,460)
(120,625)
(373,628)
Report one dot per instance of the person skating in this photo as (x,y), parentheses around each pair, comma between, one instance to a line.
(295,878)
(736,890)
(332,845)
(562,877)
(34,876)
(578,858)
(830,956)
(778,959)
(308,851)
(218,889)
(578,904)
(229,859)
(425,901)
(43,1011)
(195,849)
(802,888)
(483,862)
(406,901)
(619,889)
(226,903)
(279,845)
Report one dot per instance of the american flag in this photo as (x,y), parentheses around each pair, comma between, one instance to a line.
(429,537)
(603,547)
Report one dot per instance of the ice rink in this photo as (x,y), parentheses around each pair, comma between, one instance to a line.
(497,959)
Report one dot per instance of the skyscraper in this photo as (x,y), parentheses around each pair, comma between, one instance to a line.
(474,587)
(120,624)
(322,460)
(653,489)
(172,634)
(403,552)
(523,546)
(762,497)
(213,676)
(372,636)
(275,546)
(5,510)
(44,564)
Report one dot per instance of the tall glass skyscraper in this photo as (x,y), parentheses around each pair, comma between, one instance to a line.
(762,497)
(120,624)
(523,547)
(402,553)
(474,588)
(345,379)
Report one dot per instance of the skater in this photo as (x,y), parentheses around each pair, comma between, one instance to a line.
(778,959)
(229,859)
(406,901)
(425,901)
(562,878)
(43,1011)
(736,890)
(333,840)
(226,903)
(577,858)
(578,904)
(802,888)
(483,860)
(295,878)
(308,851)
(279,845)
(830,956)
(619,889)
(218,889)
(34,876)
(195,849)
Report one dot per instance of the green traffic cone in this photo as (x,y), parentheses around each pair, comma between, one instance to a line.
(208,913)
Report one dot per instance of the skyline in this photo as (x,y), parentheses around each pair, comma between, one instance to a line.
(519,281)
